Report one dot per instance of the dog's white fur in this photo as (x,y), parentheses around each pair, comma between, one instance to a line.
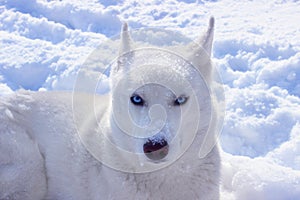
(42,156)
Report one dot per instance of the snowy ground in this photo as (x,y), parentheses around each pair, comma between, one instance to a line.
(257,51)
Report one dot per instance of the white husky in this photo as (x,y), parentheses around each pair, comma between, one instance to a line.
(46,154)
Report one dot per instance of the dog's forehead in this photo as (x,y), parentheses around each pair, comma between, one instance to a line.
(161,78)
(153,90)
(176,76)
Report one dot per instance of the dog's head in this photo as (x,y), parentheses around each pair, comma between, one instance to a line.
(159,97)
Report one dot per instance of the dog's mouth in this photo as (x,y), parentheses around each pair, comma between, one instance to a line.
(156,151)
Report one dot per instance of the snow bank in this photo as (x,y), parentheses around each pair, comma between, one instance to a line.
(73,15)
(39,53)
(258,178)
(258,120)
(4,89)
(257,51)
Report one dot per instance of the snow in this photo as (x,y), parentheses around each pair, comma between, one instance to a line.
(257,51)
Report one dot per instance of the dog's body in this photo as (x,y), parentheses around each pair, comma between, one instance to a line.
(43,157)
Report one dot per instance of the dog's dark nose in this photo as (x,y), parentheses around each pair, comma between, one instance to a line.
(156,150)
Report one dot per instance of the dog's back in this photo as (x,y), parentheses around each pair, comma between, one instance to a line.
(41,153)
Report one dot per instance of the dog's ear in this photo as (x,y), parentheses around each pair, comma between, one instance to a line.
(207,38)
(125,40)
(125,51)
(201,51)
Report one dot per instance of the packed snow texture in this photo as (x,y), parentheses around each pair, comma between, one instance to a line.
(256,50)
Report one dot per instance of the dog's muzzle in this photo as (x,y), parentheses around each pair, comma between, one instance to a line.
(156,150)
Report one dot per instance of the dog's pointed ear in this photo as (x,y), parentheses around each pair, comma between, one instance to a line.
(125,40)
(207,39)
(201,51)
(125,51)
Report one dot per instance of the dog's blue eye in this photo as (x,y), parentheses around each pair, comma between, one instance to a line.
(137,100)
(180,100)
